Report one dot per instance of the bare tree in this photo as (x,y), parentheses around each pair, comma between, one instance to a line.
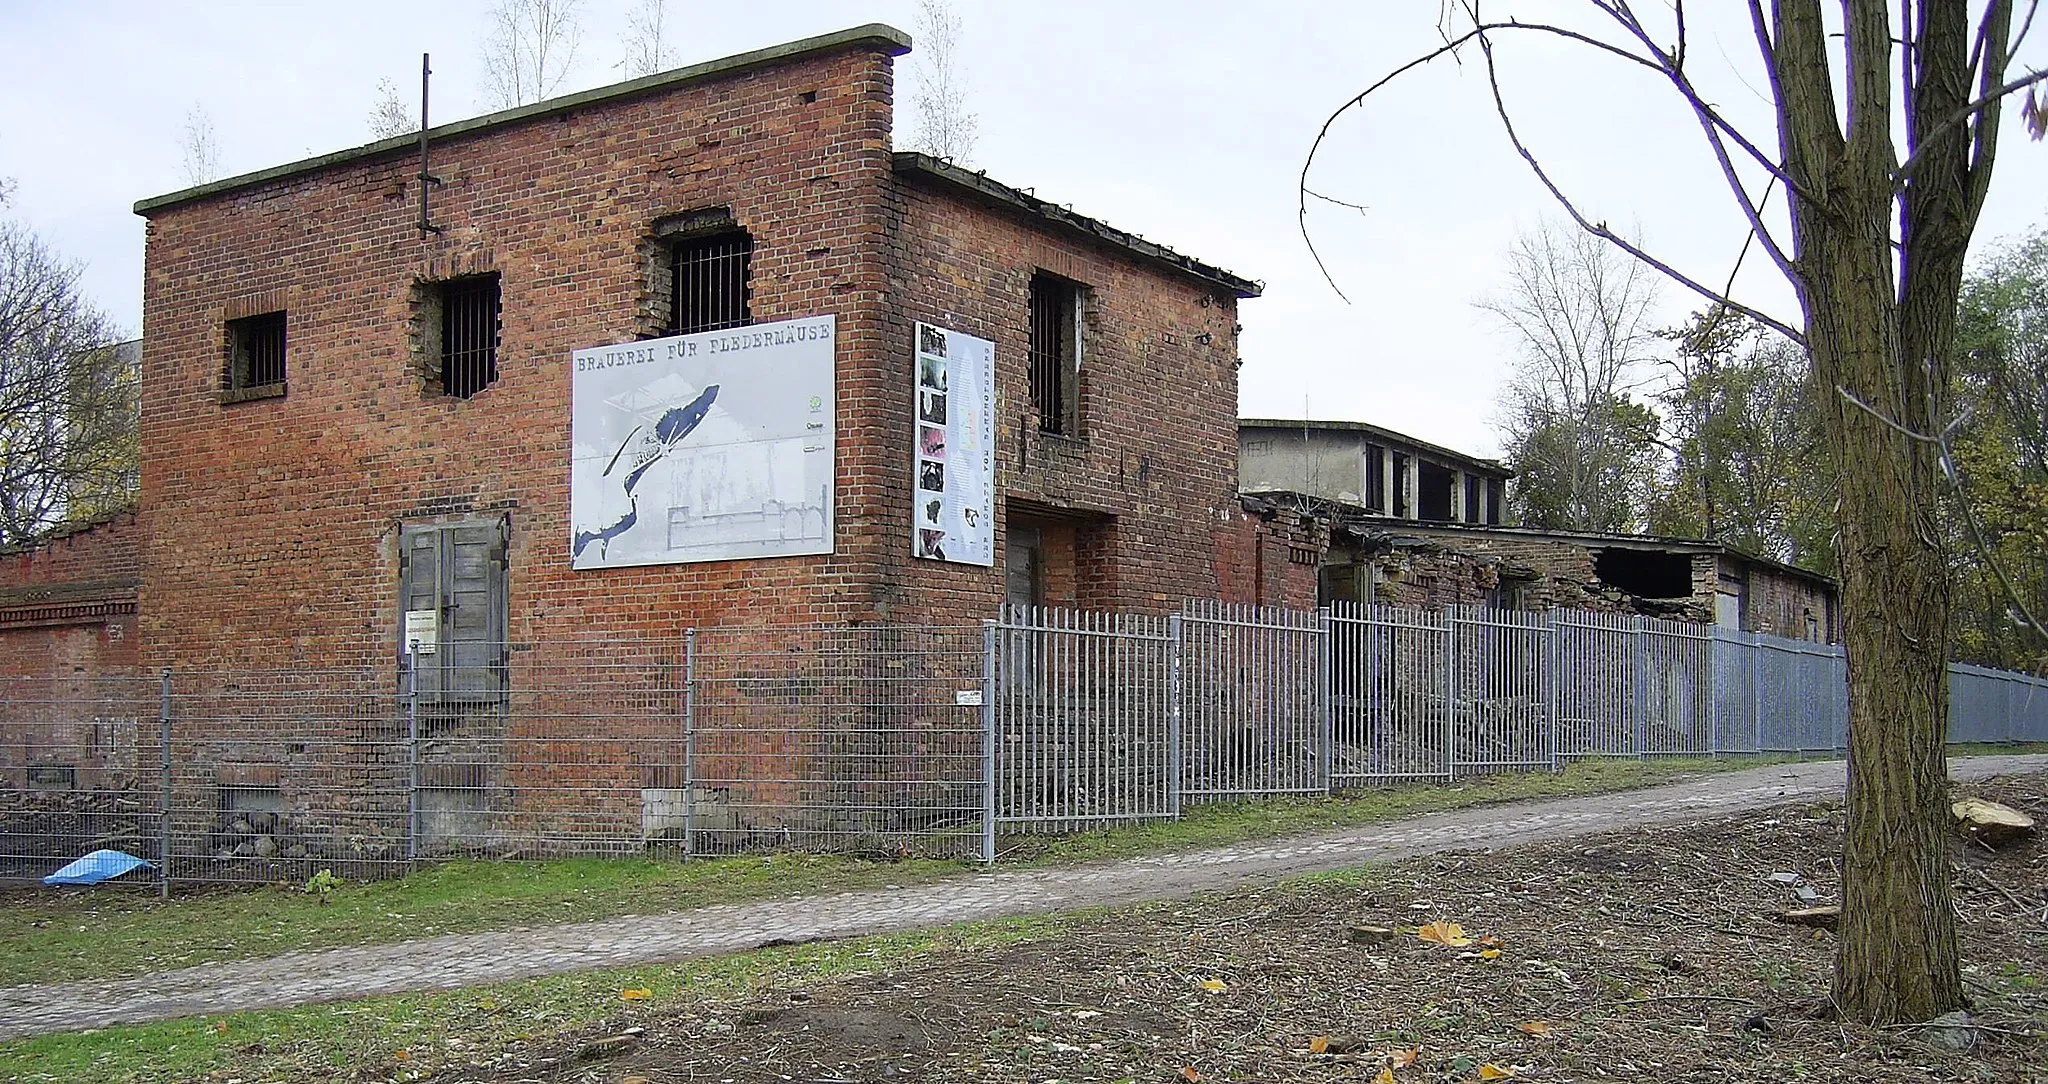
(1875,258)
(945,128)
(1580,314)
(390,115)
(198,150)
(67,397)
(530,49)
(646,39)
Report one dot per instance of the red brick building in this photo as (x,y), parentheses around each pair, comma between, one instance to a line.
(315,464)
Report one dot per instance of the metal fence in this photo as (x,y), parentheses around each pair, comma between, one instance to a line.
(882,740)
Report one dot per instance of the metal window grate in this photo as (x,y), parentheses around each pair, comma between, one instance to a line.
(469,335)
(1053,304)
(711,283)
(257,348)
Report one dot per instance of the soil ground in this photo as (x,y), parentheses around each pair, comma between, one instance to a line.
(1645,955)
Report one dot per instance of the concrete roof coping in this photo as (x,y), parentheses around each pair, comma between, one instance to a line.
(1069,221)
(1491,466)
(872,35)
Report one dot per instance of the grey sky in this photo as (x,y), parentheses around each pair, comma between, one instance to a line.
(1184,121)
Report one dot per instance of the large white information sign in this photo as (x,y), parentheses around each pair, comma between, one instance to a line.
(953,487)
(708,447)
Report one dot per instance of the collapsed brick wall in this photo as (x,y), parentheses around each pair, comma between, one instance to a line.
(1272,561)
(1482,571)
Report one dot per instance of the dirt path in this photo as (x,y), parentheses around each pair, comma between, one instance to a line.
(498,956)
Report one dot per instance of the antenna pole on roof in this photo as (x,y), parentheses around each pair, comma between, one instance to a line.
(427,180)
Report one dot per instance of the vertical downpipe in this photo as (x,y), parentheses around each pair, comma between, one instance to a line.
(689,743)
(412,752)
(1173,715)
(988,742)
(163,728)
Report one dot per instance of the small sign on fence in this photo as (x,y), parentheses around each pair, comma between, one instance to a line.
(967,698)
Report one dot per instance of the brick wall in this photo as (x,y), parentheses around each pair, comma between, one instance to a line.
(68,606)
(1149,476)
(271,524)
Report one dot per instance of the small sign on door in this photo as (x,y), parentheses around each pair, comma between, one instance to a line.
(423,630)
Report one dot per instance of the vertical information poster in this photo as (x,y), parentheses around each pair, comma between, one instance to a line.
(953,462)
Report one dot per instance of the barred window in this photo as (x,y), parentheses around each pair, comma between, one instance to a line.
(711,289)
(1055,311)
(469,325)
(255,352)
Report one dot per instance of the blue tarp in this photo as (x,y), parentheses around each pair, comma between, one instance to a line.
(96,867)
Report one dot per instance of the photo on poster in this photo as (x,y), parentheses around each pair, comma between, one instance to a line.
(931,372)
(931,340)
(931,442)
(931,407)
(931,477)
(931,510)
(928,544)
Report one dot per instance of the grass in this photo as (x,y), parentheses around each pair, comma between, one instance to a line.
(51,935)
(409,1036)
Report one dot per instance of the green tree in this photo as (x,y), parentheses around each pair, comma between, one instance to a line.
(1748,467)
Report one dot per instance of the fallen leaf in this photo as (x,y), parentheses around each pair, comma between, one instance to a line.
(1404,1058)
(1535,1029)
(1188,1073)
(1215,986)
(1489,954)
(401,1054)
(1490,1071)
(636,1080)
(635,993)
(1384,1076)
(1444,933)
(1319,1045)
(220,1027)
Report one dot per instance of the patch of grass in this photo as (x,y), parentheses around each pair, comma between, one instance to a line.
(410,1036)
(48,936)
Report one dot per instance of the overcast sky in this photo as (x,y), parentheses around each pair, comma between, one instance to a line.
(1186,122)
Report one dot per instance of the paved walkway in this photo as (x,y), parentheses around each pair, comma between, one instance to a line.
(475,958)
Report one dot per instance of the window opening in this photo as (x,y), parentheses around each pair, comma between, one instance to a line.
(710,283)
(1055,350)
(255,351)
(1375,478)
(469,335)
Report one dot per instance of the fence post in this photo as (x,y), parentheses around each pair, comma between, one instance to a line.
(1553,661)
(988,741)
(689,743)
(1638,687)
(1450,680)
(163,726)
(412,752)
(1173,715)
(1713,676)
(1756,690)
(1326,735)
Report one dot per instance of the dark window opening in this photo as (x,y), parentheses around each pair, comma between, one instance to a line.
(1493,500)
(1055,350)
(1375,478)
(1434,485)
(1645,573)
(469,334)
(710,276)
(255,352)
(1472,501)
(1401,508)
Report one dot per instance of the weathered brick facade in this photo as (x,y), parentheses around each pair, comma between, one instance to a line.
(272,524)
(68,607)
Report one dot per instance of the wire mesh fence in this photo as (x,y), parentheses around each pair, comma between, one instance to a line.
(881,740)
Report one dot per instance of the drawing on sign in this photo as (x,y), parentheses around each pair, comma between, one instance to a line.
(705,447)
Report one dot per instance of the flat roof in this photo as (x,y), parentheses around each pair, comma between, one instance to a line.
(1388,435)
(873,35)
(980,186)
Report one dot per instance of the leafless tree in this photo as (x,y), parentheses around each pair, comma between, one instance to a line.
(1875,258)
(67,397)
(198,150)
(646,39)
(390,115)
(530,48)
(945,127)
(1581,317)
